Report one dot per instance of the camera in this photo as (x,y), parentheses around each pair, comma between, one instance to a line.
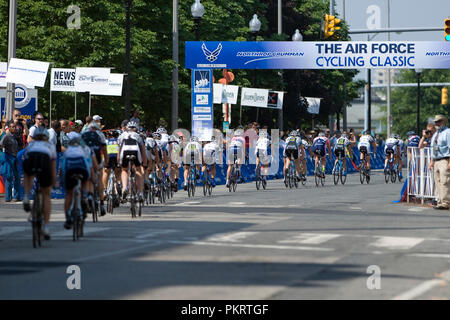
(428,132)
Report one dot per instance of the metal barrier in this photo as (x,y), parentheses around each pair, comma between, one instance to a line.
(420,178)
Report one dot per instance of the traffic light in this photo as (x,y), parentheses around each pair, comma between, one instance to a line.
(444,98)
(447,29)
(331,25)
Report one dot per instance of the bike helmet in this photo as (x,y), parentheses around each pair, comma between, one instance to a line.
(174,138)
(344,135)
(161,130)
(213,138)
(157,135)
(40,133)
(263,134)
(94,125)
(338,132)
(74,138)
(194,139)
(321,134)
(238,132)
(411,133)
(397,136)
(132,124)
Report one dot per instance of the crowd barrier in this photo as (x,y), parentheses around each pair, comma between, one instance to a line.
(247,170)
(420,179)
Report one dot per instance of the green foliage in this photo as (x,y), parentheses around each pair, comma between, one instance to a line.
(43,35)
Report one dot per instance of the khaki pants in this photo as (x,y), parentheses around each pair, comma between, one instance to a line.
(442,180)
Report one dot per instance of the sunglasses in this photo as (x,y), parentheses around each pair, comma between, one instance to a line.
(39,118)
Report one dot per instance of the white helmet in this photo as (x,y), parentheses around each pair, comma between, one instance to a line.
(174,138)
(132,124)
(40,132)
(238,132)
(321,134)
(194,139)
(74,137)
(161,130)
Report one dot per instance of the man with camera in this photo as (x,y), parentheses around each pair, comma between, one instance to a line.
(426,136)
(440,161)
(21,129)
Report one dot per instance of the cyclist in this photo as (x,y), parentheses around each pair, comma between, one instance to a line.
(401,145)
(112,148)
(340,149)
(262,152)
(77,160)
(193,150)
(237,147)
(152,154)
(320,148)
(306,146)
(364,147)
(131,144)
(175,160)
(210,150)
(96,141)
(40,161)
(391,149)
(291,150)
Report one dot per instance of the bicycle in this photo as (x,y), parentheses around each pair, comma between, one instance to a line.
(291,177)
(132,188)
(207,185)
(390,173)
(111,193)
(191,177)
(234,175)
(319,173)
(338,171)
(95,203)
(76,210)
(260,181)
(37,214)
(363,173)
(303,178)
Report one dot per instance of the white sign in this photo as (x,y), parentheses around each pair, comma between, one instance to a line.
(254,97)
(202,99)
(92,79)
(203,117)
(115,84)
(313,105)
(225,93)
(62,80)
(202,109)
(27,72)
(3,71)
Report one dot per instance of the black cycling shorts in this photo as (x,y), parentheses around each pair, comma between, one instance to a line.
(70,181)
(39,164)
(389,151)
(293,152)
(363,149)
(339,153)
(112,162)
(125,160)
(320,151)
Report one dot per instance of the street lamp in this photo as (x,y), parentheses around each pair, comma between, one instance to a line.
(419,73)
(255,26)
(197,10)
(297,36)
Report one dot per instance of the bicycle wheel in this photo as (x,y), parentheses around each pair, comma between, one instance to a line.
(264,184)
(393,175)
(386,175)
(316,176)
(362,175)
(95,208)
(258,178)
(205,184)
(75,218)
(322,178)
(140,208)
(234,184)
(209,188)
(342,176)
(336,172)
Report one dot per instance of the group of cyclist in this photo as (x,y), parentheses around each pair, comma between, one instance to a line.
(92,155)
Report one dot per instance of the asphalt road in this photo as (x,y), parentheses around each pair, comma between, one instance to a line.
(309,243)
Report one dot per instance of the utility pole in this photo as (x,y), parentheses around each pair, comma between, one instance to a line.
(388,94)
(128,4)
(344,110)
(10,90)
(175,68)
(280,29)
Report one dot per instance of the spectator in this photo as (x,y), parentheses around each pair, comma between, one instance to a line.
(380,141)
(440,161)
(63,137)
(78,126)
(2,129)
(8,163)
(54,132)
(425,141)
(88,121)
(46,123)
(38,123)
(135,117)
(22,131)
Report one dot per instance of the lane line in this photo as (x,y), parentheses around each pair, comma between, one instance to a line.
(255,246)
(396,243)
(86,230)
(311,238)
(231,237)
(419,290)
(430,255)
(155,232)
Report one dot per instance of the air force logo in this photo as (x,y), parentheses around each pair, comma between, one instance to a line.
(212,56)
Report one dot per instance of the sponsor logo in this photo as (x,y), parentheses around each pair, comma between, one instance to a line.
(212,56)
(202,99)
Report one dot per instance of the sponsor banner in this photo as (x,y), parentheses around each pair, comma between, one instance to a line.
(318,55)
(62,79)
(3,71)
(275,99)
(254,97)
(225,93)
(92,79)
(313,105)
(30,73)
(202,104)
(114,88)
(25,100)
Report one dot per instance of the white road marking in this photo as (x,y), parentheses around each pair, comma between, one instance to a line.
(420,289)
(86,230)
(416,209)
(155,233)
(254,246)
(311,238)
(431,255)
(230,237)
(396,243)
(9,230)
(237,203)
(356,208)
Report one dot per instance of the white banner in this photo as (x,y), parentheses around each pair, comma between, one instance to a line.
(254,97)
(313,105)
(27,72)
(92,79)
(114,88)
(225,93)
(62,79)
(3,71)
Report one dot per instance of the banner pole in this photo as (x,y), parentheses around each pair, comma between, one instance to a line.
(89,103)
(75,105)
(50,107)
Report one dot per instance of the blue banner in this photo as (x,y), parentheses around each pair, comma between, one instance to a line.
(25,101)
(202,104)
(318,55)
